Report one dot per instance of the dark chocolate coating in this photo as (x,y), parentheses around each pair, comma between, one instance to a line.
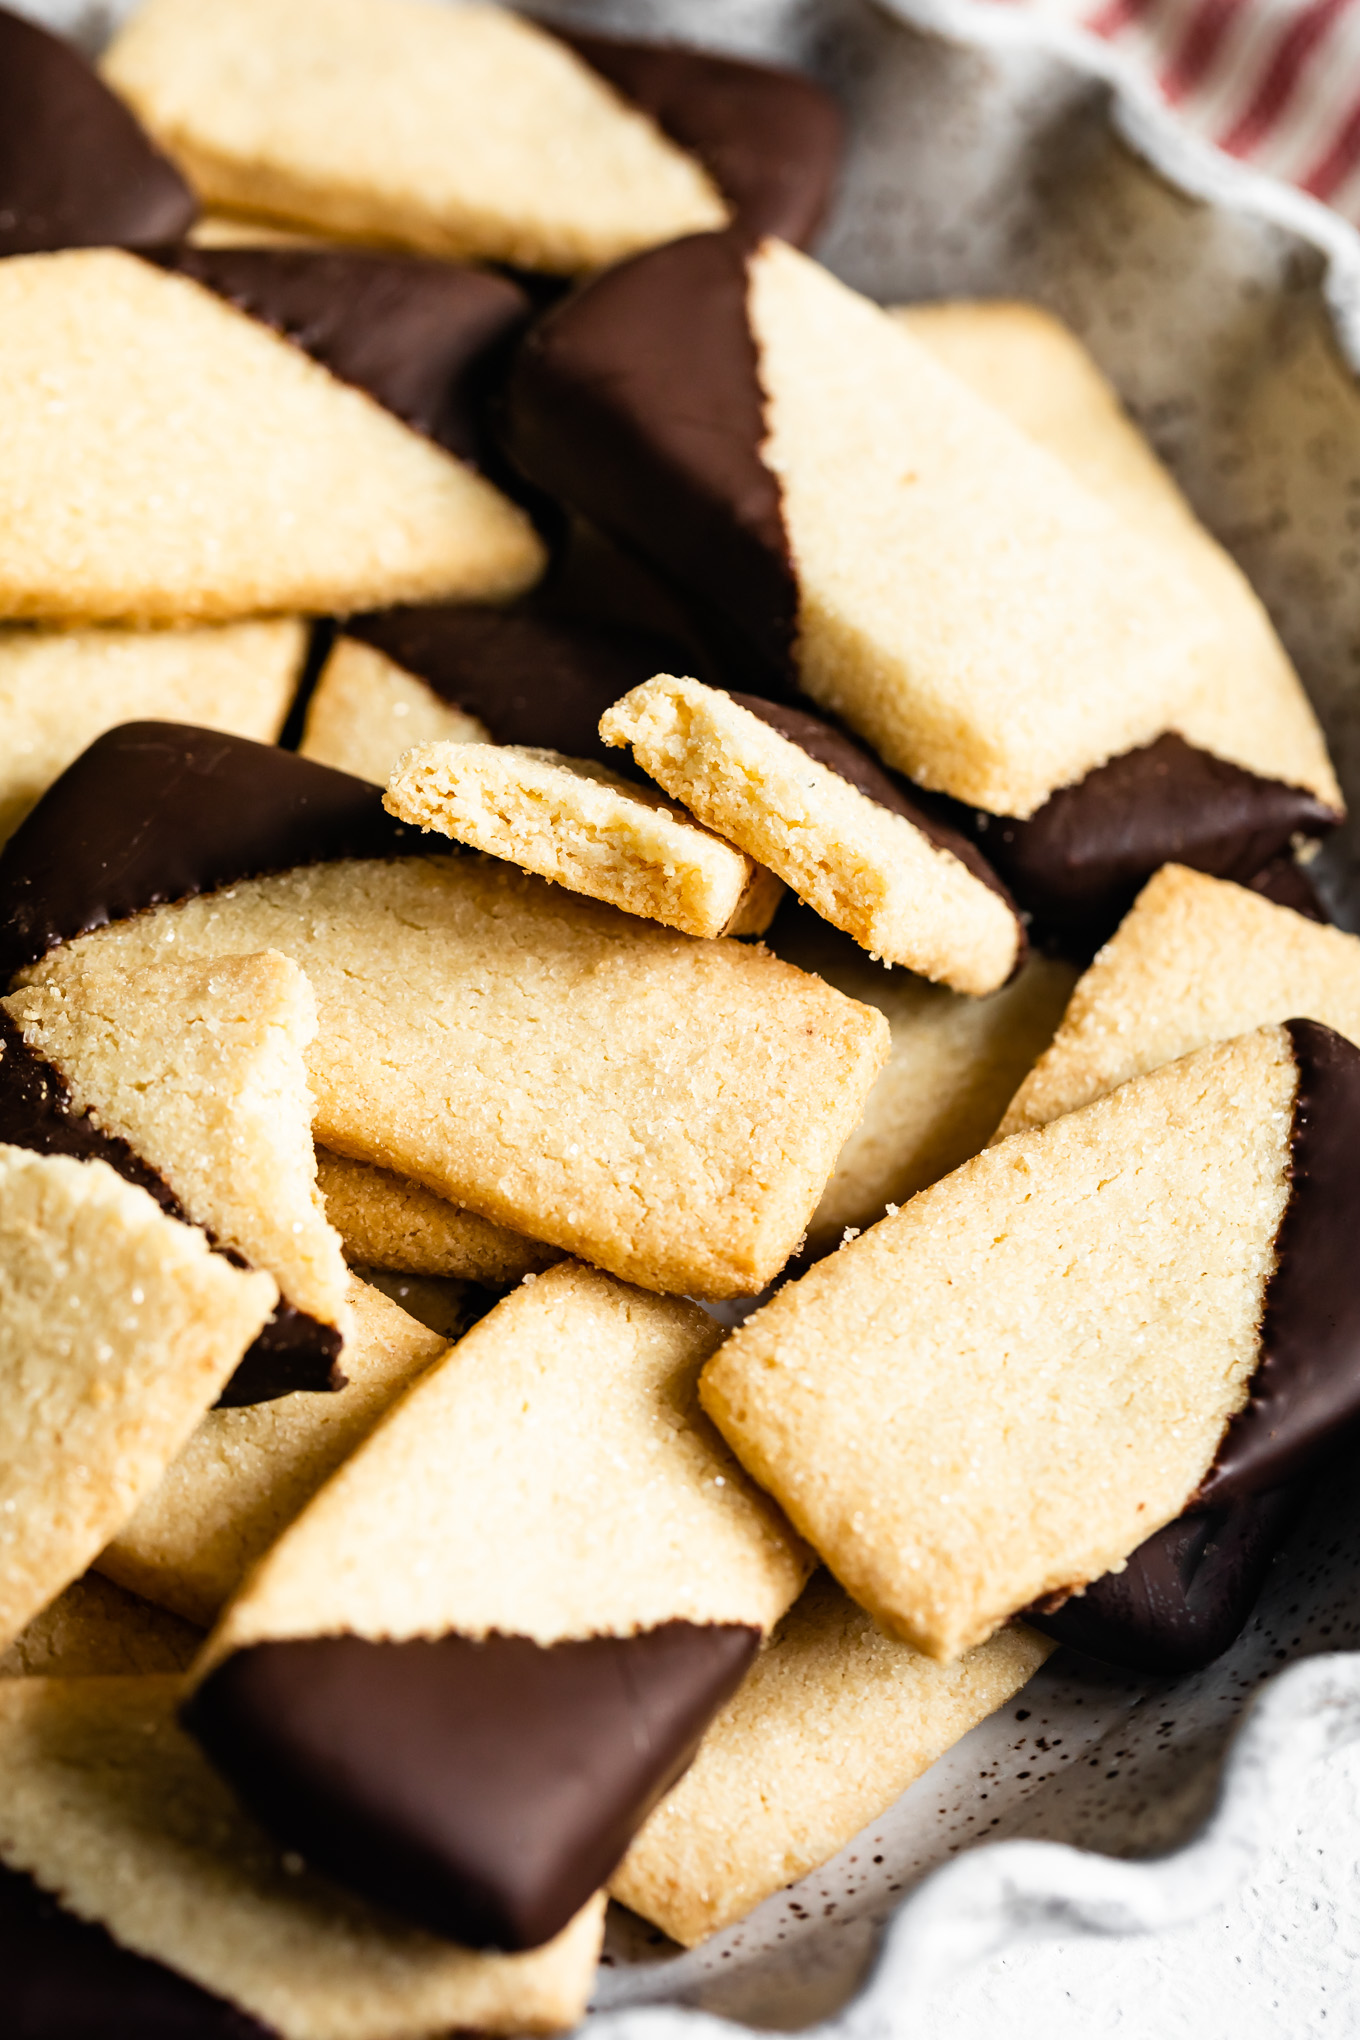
(67,1979)
(76,170)
(638,402)
(770,139)
(1185,1594)
(37,1112)
(1079,862)
(531,680)
(1285,881)
(1306,1388)
(427,340)
(822,741)
(481,1790)
(158,811)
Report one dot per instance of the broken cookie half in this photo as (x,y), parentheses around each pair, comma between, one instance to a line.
(880,536)
(585,828)
(190,1080)
(1001,1392)
(461,1679)
(827,819)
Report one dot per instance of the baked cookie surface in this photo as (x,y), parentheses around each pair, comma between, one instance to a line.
(118,1329)
(279,488)
(829,822)
(387,1221)
(580,825)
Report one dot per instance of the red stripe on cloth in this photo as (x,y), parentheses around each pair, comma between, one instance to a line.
(1276,88)
(1205,29)
(1337,160)
(1114,15)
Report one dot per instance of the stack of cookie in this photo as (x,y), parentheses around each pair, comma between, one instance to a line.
(585,1282)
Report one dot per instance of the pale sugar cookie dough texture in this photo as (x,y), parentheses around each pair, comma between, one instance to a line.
(1195,959)
(578,824)
(109,1802)
(832,1723)
(1251,708)
(118,1328)
(865,869)
(1022,1429)
(668,1109)
(366,711)
(337,114)
(199,1065)
(246,1473)
(277,487)
(59,690)
(387,1221)
(98,1630)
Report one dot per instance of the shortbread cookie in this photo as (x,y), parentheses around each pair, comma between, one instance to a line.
(954,1063)
(59,690)
(98,1630)
(76,170)
(542,1548)
(246,1473)
(925,571)
(573,150)
(580,825)
(414,676)
(189,1078)
(810,805)
(831,1725)
(199,466)
(1143,1303)
(177,1915)
(118,1328)
(386,1221)
(666,1108)
(1195,960)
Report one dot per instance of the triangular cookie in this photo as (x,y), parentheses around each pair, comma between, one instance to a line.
(118,1329)
(999,1393)
(465,1673)
(178,1916)
(339,112)
(167,458)
(191,1078)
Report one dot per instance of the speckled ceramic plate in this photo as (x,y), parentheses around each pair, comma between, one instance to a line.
(995,154)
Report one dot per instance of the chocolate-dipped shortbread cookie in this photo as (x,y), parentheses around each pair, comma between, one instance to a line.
(190,1080)
(201,466)
(832,1723)
(471,675)
(573,149)
(76,170)
(386,1221)
(827,819)
(118,1328)
(1141,1305)
(921,568)
(467,1672)
(60,689)
(582,826)
(178,1918)
(667,1108)
(246,1473)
